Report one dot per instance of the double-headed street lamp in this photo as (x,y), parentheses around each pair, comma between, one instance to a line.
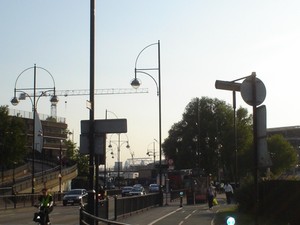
(44,91)
(135,83)
(119,144)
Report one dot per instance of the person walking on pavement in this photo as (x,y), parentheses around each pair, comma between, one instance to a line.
(228,192)
(210,195)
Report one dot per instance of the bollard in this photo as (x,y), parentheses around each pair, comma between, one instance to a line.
(181,197)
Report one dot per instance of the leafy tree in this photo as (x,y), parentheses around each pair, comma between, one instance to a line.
(74,155)
(12,139)
(204,138)
(283,155)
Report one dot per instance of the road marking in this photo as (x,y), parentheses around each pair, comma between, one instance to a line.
(155,221)
(185,218)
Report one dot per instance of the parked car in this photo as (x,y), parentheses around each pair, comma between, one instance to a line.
(137,191)
(75,196)
(126,190)
(153,188)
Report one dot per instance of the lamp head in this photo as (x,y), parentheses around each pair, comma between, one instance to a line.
(15,101)
(135,83)
(54,99)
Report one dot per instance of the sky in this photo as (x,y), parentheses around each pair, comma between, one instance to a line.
(200,42)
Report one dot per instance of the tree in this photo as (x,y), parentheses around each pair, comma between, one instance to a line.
(74,155)
(204,138)
(12,139)
(283,155)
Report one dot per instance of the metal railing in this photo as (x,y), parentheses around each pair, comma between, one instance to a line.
(23,200)
(121,207)
(87,219)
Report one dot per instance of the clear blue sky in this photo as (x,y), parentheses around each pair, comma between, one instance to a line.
(201,41)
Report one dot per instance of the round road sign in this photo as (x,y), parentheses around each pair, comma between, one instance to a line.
(247,91)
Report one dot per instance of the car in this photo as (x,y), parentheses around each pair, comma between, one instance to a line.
(137,185)
(126,190)
(153,188)
(110,186)
(137,191)
(75,196)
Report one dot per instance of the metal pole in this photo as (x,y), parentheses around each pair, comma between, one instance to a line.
(154,152)
(33,132)
(235,138)
(91,204)
(119,146)
(159,112)
(60,166)
(256,184)
(198,136)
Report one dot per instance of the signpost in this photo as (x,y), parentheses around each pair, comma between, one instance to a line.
(253,92)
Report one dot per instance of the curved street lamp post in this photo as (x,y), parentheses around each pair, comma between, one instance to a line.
(119,144)
(23,94)
(152,151)
(135,83)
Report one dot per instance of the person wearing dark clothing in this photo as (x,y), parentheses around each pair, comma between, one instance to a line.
(210,196)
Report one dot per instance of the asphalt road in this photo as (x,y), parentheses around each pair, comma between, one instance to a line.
(61,215)
(171,214)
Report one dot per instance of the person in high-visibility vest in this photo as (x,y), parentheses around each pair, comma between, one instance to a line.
(46,202)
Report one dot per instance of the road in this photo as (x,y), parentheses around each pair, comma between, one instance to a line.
(68,215)
(170,214)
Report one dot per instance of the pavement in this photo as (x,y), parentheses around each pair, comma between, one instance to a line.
(154,215)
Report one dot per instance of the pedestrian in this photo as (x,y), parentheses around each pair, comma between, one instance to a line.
(228,192)
(210,195)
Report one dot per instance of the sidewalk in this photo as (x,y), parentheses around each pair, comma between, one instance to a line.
(151,215)
(147,216)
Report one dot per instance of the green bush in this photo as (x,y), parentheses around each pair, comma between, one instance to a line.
(245,196)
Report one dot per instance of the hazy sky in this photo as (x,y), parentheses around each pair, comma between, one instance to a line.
(201,42)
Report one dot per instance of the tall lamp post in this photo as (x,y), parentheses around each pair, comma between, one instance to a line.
(135,83)
(120,143)
(34,101)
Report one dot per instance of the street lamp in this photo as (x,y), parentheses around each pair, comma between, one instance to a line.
(34,101)
(152,152)
(120,143)
(135,83)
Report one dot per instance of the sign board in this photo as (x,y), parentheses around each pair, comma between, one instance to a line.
(101,128)
(99,144)
(264,159)
(247,91)
(105,126)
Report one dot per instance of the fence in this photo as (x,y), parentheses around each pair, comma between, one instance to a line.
(122,207)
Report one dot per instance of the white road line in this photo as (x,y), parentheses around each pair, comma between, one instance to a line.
(155,221)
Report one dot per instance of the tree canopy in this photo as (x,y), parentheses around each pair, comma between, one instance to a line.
(12,139)
(205,139)
(282,153)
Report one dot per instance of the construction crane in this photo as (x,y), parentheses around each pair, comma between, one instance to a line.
(108,91)
(80,92)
